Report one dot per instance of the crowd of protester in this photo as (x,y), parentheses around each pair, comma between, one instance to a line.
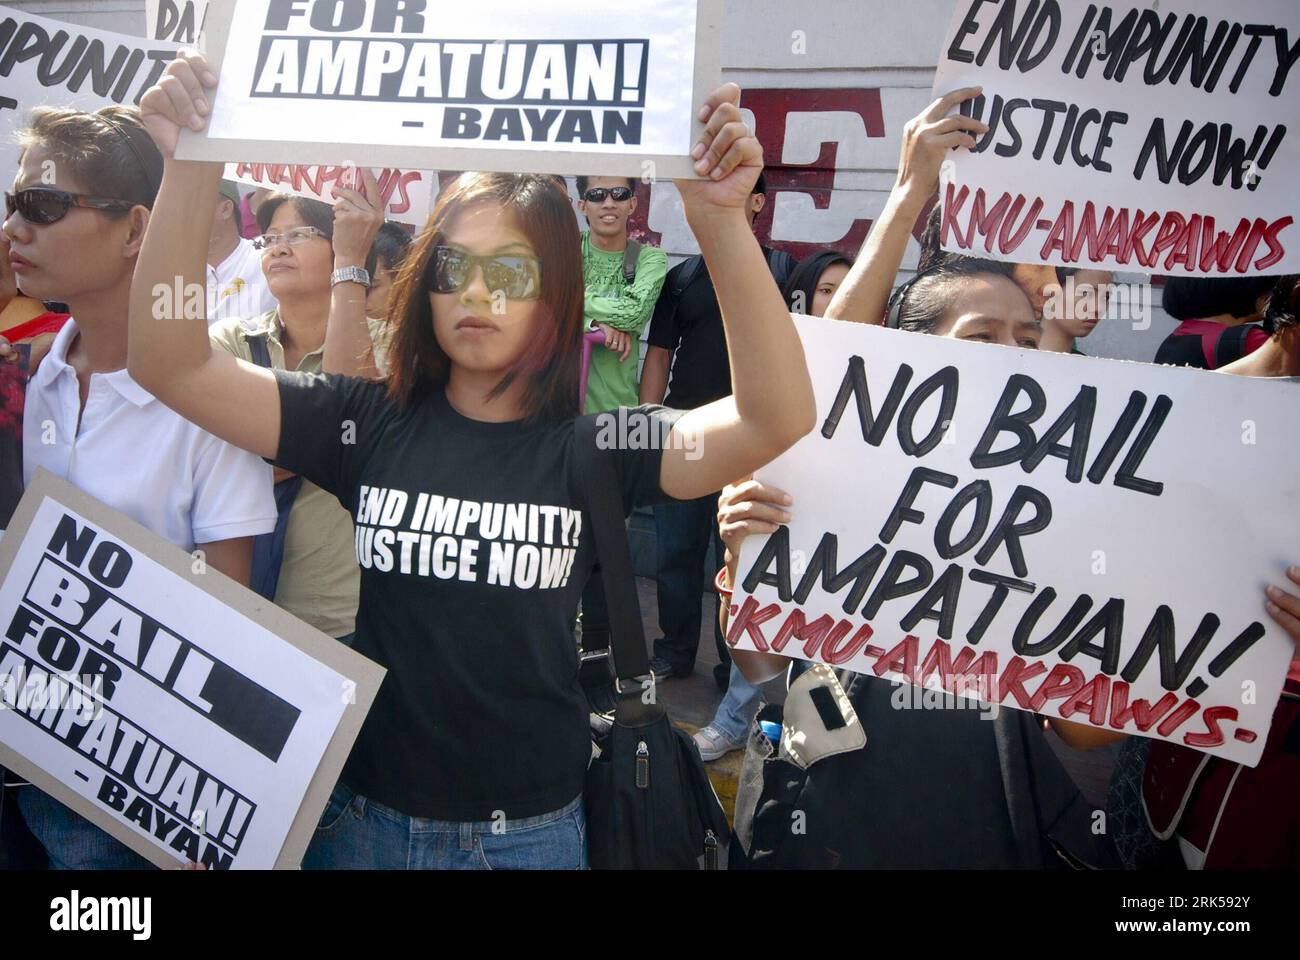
(454,354)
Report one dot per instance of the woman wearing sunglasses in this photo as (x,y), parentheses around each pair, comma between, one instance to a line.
(458,468)
(75,220)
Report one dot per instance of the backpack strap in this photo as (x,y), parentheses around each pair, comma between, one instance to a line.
(1231,345)
(257,346)
(690,272)
(782,265)
(631,254)
(600,490)
(268,548)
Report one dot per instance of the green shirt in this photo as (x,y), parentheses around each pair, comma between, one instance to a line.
(611,301)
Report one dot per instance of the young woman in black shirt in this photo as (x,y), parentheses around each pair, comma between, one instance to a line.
(457,468)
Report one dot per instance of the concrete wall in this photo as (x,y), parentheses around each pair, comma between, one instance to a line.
(829,85)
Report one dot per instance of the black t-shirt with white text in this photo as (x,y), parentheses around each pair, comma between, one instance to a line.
(474,551)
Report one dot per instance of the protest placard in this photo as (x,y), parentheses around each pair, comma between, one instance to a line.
(180,21)
(1127,136)
(507,85)
(185,715)
(407,195)
(50,63)
(1039,531)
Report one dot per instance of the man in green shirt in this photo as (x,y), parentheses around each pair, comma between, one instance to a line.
(619,302)
(618,308)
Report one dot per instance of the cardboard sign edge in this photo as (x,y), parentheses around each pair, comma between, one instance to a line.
(364,672)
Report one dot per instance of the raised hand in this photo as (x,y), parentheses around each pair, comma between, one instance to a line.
(180,99)
(357,219)
(748,508)
(727,153)
(931,136)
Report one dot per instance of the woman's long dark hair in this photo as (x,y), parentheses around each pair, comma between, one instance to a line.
(549,367)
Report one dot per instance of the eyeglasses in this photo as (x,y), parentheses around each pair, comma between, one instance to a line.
(45,205)
(598,194)
(292,237)
(516,275)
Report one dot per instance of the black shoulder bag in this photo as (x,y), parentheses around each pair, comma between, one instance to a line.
(649,802)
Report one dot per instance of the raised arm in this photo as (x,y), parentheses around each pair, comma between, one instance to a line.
(169,351)
(927,140)
(772,403)
(357,219)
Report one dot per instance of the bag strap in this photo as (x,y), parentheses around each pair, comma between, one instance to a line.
(781,265)
(689,274)
(1231,344)
(598,480)
(257,346)
(268,548)
(631,256)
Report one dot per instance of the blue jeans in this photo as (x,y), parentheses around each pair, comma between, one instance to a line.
(70,840)
(683,531)
(355,833)
(741,702)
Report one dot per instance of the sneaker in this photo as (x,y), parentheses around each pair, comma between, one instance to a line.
(714,743)
(663,670)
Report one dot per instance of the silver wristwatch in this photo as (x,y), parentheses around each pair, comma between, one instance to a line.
(350,275)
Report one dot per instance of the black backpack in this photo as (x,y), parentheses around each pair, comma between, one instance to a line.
(649,803)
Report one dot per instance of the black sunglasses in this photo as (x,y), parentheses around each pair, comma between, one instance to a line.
(45,205)
(598,194)
(518,276)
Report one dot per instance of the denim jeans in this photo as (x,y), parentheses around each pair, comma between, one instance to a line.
(741,702)
(683,531)
(70,840)
(355,833)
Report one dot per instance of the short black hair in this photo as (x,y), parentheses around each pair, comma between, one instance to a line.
(585,179)
(389,249)
(760,185)
(1195,298)
(108,150)
(316,213)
